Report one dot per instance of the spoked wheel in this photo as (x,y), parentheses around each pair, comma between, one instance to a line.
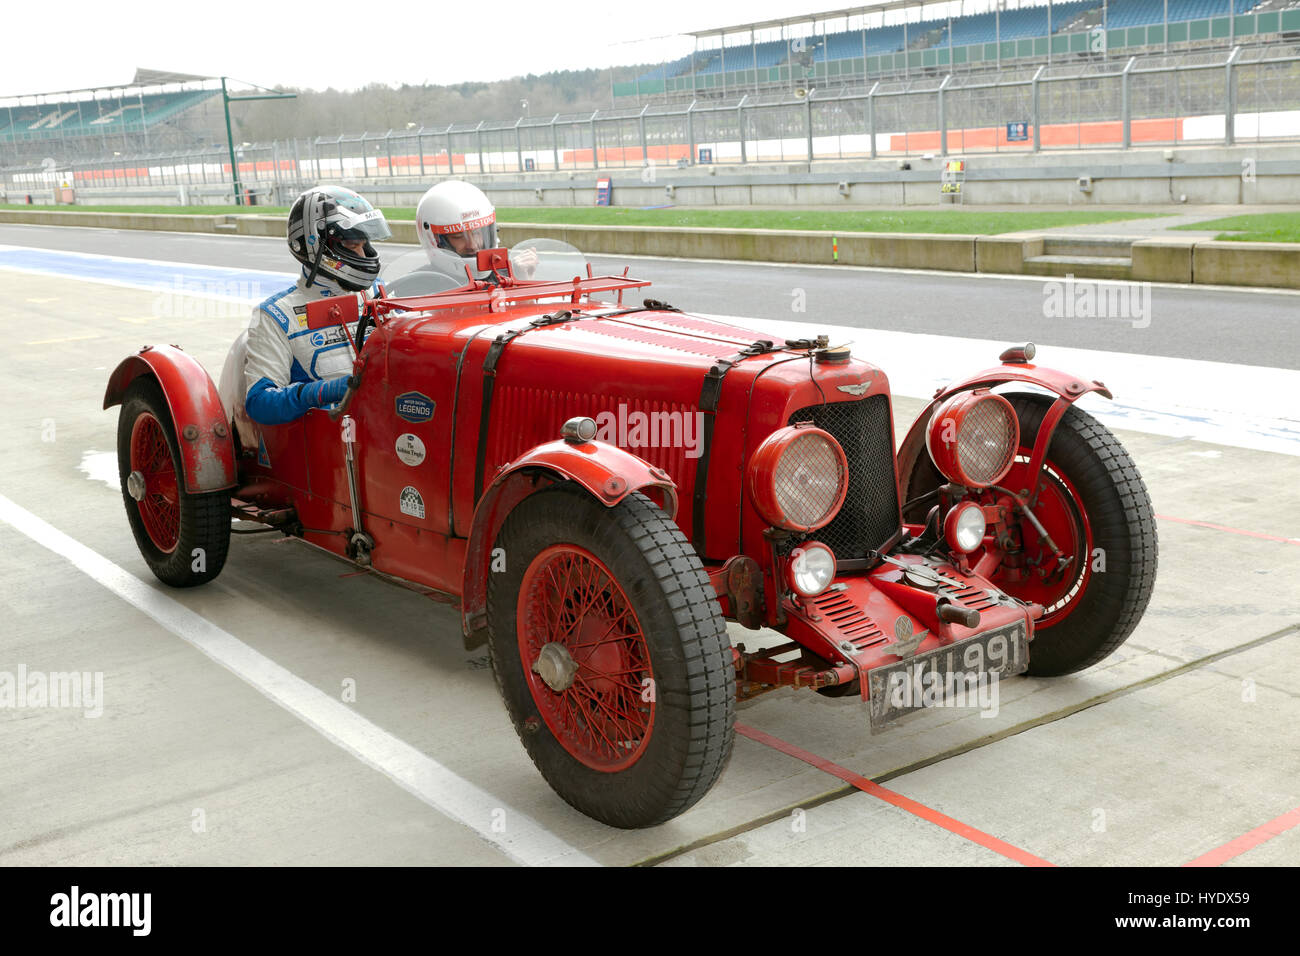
(183,537)
(1059,510)
(591,664)
(611,656)
(1095,506)
(152,477)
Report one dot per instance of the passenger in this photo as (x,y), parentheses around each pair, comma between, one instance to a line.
(290,368)
(456,218)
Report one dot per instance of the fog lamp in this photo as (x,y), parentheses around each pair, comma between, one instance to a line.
(811,569)
(964,527)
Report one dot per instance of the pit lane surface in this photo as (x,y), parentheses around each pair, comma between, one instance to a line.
(1174,746)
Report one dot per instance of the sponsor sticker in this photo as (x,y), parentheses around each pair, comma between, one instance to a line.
(410,449)
(414,407)
(411,503)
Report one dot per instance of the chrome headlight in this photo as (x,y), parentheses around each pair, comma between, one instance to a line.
(811,569)
(799,477)
(973,438)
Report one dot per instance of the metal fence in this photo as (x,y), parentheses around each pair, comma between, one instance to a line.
(1195,98)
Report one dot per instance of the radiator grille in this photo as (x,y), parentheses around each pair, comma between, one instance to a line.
(870,516)
(655,431)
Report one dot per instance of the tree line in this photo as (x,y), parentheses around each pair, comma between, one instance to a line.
(378,107)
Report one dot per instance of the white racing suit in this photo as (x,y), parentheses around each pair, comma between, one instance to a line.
(290,368)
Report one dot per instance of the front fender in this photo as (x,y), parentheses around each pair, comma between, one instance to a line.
(606,471)
(1068,388)
(208,452)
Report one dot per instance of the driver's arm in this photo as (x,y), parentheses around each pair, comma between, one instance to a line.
(272,398)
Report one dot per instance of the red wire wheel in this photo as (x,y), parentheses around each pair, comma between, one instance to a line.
(610,652)
(1062,515)
(588,664)
(160,505)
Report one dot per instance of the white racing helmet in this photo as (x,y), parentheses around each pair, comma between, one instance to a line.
(455,218)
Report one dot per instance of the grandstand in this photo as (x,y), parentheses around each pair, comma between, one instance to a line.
(897,38)
(156,112)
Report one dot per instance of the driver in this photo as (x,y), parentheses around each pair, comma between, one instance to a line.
(289,368)
(455,218)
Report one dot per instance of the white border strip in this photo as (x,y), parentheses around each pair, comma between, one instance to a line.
(526,841)
(1245,406)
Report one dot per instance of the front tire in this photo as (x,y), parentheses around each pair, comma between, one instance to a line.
(1095,505)
(611,655)
(183,537)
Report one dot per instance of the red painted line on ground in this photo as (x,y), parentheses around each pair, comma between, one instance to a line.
(1221,527)
(896,799)
(1248,841)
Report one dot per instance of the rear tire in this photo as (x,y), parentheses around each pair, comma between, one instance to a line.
(624,595)
(183,537)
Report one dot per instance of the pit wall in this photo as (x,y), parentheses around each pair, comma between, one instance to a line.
(1189,260)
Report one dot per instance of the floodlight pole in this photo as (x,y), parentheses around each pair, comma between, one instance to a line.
(226,99)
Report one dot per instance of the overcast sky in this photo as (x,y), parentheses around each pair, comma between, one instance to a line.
(73,44)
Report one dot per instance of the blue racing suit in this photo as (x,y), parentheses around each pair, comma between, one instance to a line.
(290,368)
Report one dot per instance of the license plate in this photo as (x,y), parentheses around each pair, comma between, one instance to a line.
(947,674)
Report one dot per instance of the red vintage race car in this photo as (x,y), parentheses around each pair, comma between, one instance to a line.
(602,486)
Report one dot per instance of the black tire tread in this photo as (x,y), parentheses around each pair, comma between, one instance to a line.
(1099,464)
(710,701)
(204,518)
(1102,469)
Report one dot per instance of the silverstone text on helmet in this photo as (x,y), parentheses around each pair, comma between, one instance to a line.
(455,217)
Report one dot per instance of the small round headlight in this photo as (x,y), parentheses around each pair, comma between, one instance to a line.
(973,437)
(812,568)
(799,477)
(964,527)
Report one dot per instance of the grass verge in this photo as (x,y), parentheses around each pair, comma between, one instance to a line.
(1256,227)
(946,221)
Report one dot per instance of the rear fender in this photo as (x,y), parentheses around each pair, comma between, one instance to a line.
(1068,389)
(608,473)
(200,420)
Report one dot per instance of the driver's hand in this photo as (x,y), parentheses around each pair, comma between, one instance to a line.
(524,263)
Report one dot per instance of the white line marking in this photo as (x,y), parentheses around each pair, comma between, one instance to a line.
(1246,406)
(527,842)
(168,263)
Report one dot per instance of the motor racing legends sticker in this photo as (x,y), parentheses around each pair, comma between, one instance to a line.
(411,503)
(414,407)
(410,449)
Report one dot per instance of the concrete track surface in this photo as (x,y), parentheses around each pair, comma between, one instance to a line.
(224,737)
